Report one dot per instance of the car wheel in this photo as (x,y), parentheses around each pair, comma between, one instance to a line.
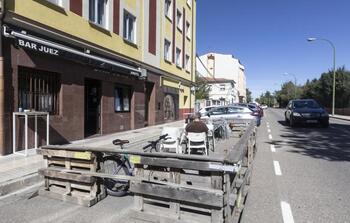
(325,124)
(291,122)
(286,120)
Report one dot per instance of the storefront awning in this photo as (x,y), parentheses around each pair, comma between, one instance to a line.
(51,48)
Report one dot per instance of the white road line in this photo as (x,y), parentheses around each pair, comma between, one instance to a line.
(268,130)
(273,149)
(286,212)
(267,123)
(277,167)
(270,136)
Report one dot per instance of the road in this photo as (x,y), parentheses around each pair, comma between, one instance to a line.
(300,175)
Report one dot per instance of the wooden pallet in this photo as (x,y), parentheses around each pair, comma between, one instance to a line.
(71,187)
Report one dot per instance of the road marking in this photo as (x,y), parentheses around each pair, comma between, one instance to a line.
(277,167)
(273,149)
(267,123)
(286,212)
(270,136)
(268,130)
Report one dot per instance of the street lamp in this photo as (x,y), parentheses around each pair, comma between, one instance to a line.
(332,45)
(295,84)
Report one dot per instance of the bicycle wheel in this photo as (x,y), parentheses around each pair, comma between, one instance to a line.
(114,165)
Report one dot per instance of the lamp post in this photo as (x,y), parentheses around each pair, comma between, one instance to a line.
(295,84)
(333,47)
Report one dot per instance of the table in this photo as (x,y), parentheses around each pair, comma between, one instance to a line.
(27,115)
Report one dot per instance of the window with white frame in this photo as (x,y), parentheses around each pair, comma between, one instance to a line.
(179,19)
(189,3)
(187,62)
(57,2)
(98,12)
(167,49)
(222,87)
(129,29)
(167,9)
(188,29)
(178,57)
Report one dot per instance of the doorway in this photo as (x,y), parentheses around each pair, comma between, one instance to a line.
(148,93)
(92,107)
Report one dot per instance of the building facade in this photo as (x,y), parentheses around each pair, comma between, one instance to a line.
(97,66)
(224,66)
(222,92)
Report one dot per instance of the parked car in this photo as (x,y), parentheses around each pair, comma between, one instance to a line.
(258,111)
(204,110)
(263,106)
(233,112)
(306,111)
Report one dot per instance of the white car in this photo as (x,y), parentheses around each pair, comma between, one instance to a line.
(231,112)
(203,111)
(263,106)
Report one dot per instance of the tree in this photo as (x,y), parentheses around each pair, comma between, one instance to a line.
(202,88)
(249,95)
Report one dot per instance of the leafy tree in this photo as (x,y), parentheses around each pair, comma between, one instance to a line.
(249,95)
(202,88)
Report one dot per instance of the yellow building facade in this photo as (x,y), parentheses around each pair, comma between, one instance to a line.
(100,66)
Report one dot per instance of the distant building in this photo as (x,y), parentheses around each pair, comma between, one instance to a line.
(97,66)
(226,67)
(222,92)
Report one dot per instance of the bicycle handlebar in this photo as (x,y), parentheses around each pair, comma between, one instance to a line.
(153,144)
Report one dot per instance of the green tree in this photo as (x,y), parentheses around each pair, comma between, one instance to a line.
(202,88)
(249,95)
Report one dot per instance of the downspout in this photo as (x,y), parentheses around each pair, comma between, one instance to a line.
(193,58)
(2,85)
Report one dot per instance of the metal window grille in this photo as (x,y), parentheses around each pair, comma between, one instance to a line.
(38,90)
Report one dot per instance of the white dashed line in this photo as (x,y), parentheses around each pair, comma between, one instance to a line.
(277,167)
(286,212)
(273,149)
(268,130)
(270,136)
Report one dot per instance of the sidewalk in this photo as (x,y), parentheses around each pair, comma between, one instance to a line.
(18,172)
(342,117)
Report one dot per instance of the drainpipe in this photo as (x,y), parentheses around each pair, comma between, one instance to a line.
(2,85)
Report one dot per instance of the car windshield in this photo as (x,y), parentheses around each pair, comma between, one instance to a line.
(306,104)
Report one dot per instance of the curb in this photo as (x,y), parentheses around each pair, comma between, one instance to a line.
(345,119)
(19,183)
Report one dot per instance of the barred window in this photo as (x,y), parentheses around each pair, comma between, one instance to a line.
(122,99)
(38,90)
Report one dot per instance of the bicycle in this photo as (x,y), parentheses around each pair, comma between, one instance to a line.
(117,164)
(154,145)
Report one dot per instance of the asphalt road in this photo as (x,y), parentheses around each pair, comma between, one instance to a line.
(300,174)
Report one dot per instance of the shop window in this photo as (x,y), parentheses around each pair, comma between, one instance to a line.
(122,99)
(129,27)
(98,12)
(38,90)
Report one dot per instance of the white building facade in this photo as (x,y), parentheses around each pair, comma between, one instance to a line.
(224,66)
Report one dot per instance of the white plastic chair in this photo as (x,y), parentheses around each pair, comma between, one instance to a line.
(197,141)
(172,141)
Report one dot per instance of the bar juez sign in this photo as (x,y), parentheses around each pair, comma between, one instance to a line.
(37,47)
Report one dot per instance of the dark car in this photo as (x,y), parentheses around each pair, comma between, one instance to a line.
(306,111)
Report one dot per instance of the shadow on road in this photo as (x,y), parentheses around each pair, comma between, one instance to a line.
(331,144)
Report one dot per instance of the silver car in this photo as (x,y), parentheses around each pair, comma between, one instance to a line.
(230,112)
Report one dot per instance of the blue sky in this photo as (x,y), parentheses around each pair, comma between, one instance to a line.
(269,37)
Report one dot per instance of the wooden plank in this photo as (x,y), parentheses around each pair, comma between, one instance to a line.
(181,194)
(86,188)
(83,155)
(66,176)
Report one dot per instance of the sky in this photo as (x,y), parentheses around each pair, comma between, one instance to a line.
(269,37)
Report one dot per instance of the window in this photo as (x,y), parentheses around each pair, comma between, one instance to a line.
(57,2)
(98,12)
(178,57)
(222,87)
(167,49)
(207,103)
(188,30)
(187,63)
(167,9)
(189,3)
(122,99)
(129,27)
(179,19)
(38,90)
